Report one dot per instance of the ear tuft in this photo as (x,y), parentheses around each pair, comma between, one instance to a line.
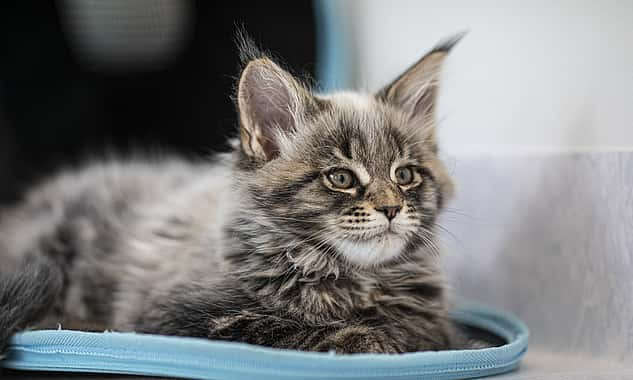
(247,48)
(447,44)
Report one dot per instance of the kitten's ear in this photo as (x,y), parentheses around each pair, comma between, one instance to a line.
(271,104)
(415,90)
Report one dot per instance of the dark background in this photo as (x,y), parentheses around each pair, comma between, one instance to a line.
(54,112)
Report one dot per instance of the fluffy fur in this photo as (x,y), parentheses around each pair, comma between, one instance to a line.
(262,245)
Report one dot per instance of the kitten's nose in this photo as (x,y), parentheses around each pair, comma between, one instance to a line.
(389,211)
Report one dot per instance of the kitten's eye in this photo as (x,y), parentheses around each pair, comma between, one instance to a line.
(342,178)
(404,176)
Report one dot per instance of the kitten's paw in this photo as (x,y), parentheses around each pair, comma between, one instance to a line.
(353,340)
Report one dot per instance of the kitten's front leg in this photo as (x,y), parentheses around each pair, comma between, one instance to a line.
(274,331)
(255,328)
(219,313)
(359,339)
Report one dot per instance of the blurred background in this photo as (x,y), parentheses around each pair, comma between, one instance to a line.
(536,113)
(83,78)
(536,75)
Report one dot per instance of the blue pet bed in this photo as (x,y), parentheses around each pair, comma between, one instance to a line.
(139,354)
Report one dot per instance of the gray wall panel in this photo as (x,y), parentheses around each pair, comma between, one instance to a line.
(549,237)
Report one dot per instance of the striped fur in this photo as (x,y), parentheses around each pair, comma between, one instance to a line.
(259,245)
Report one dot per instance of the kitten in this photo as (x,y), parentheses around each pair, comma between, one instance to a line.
(316,233)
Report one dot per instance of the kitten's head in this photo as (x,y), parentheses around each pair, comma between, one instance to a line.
(350,175)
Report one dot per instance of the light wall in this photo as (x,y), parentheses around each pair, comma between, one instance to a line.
(544,75)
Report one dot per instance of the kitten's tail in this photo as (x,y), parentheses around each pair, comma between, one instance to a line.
(26,295)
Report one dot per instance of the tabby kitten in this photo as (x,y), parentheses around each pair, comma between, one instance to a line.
(316,233)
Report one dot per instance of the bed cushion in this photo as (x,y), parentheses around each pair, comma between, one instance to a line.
(141,354)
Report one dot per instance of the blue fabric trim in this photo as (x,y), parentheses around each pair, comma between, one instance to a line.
(333,46)
(140,354)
